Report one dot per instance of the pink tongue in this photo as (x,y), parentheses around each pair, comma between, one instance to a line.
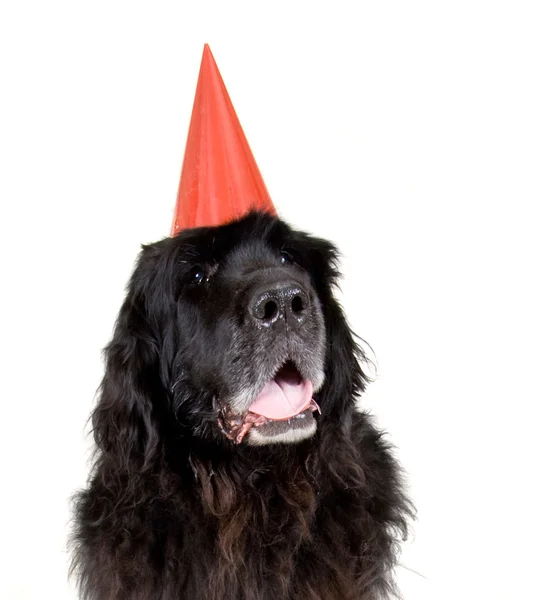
(283,397)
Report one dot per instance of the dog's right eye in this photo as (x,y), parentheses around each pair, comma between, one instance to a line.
(286,258)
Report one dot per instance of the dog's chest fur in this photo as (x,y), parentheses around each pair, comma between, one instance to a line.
(312,528)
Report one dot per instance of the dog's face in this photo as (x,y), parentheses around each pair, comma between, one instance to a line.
(251,333)
(229,327)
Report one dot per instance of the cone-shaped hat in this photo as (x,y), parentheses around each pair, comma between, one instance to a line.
(220,180)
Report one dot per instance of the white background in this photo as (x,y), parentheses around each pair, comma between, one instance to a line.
(418,135)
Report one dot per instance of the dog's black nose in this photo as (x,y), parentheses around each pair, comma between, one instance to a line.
(286,302)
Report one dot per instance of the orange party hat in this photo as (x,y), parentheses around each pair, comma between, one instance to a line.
(220,180)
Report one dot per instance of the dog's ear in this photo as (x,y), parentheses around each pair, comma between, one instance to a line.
(124,421)
(345,378)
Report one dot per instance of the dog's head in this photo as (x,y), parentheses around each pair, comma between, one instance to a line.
(229,332)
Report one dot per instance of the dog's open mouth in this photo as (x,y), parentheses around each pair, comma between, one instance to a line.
(284,405)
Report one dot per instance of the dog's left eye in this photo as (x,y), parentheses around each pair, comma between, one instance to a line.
(198,275)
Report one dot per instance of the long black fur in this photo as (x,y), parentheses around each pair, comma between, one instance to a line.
(174,510)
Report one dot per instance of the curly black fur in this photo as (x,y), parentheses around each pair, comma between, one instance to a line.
(174,510)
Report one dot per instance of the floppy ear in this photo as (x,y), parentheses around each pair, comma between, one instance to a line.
(345,379)
(125,422)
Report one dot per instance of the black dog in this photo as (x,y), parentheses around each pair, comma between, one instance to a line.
(232,462)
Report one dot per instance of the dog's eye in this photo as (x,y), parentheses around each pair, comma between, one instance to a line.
(285,258)
(198,275)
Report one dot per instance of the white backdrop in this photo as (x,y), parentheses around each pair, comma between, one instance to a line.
(416,135)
